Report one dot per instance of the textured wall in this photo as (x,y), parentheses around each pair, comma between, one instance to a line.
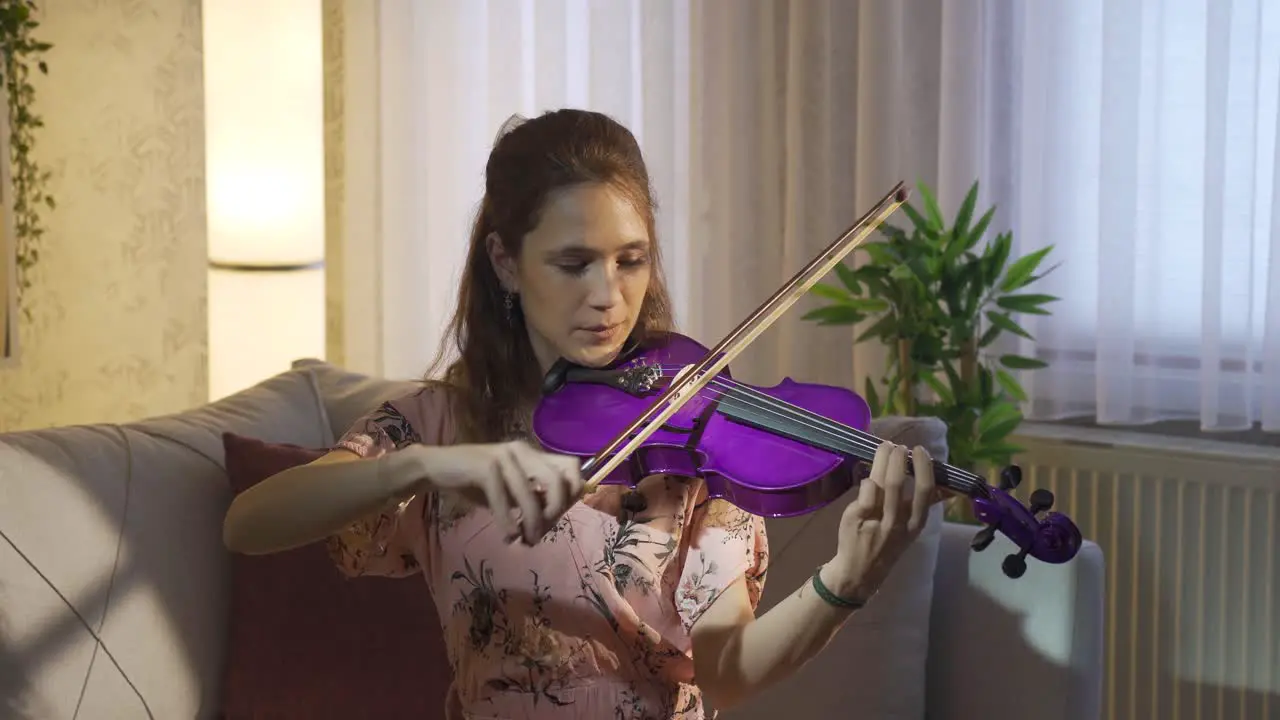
(334,177)
(119,327)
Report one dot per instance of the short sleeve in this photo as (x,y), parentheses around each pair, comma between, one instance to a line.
(725,543)
(384,542)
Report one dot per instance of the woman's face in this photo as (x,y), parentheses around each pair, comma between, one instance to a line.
(581,276)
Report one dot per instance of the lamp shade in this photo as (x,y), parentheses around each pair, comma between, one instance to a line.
(264,130)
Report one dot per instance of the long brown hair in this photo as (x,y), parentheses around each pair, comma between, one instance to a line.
(496,374)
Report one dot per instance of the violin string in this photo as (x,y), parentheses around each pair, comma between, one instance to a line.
(832,429)
(828,428)
(737,391)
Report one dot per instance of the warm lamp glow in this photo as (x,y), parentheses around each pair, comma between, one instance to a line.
(264,125)
(264,129)
(259,323)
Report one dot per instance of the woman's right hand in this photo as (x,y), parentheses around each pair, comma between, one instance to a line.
(526,489)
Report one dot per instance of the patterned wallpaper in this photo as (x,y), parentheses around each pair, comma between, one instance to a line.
(119,327)
(334,175)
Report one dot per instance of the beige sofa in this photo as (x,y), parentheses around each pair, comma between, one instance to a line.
(114,582)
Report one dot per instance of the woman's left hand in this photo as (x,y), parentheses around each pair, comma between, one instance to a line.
(882,522)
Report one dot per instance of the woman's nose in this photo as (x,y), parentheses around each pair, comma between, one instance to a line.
(606,289)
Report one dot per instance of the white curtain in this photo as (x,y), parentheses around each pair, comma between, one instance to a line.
(1142,144)
(770,126)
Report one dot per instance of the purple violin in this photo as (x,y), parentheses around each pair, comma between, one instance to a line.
(671,406)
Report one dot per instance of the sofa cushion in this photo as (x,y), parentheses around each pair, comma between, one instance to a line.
(1042,633)
(306,642)
(285,408)
(874,667)
(115,531)
(346,396)
(64,497)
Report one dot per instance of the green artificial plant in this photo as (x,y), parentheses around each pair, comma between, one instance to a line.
(21,52)
(939,295)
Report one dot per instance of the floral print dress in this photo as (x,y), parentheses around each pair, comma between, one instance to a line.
(593,622)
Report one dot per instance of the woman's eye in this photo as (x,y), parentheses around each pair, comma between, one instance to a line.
(580,267)
(632,262)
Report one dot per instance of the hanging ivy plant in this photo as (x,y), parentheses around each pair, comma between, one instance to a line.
(22,52)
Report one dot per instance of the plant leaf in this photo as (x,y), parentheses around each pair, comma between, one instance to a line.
(839,314)
(849,278)
(1010,385)
(915,217)
(1020,272)
(986,386)
(873,398)
(830,292)
(885,328)
(1006,323)
(978,231)
(989,336)
(882,254)
(944,392)
(1019,362)
(965,214)
(867,304)
(893,233)
(1000,250)
(901,272)
(1029,304)
(998,421)
(936,223)
(974,285)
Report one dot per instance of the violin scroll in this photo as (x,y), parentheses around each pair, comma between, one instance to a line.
(1049,537)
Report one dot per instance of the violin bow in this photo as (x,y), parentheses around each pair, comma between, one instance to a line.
(693,379)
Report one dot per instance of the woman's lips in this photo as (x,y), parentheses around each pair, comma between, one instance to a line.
(601,333)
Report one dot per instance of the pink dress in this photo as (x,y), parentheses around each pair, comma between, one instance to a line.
(593,622)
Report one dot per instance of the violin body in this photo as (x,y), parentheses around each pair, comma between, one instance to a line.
(762,472)
(777,451)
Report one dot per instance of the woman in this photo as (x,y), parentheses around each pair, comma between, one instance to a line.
(610,608)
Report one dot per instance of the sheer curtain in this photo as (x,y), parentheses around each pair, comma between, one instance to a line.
(1139,139)
(1143,146)
(770,126)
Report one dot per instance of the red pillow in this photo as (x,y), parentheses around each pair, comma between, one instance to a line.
(306,642)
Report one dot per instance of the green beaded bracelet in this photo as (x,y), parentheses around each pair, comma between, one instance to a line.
(831,598)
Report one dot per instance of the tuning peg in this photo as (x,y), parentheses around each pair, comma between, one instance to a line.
(983,538)
(1041,500)
(1015,565)
(1010,478)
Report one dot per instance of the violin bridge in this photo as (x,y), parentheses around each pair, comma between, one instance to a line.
(678,397)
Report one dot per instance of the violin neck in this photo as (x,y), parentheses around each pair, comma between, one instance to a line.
(948,476)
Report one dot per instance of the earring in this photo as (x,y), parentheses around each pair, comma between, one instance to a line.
(508,302)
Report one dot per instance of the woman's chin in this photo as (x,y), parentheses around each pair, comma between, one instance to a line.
(592,356)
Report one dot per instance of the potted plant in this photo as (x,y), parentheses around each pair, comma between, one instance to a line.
(939,297)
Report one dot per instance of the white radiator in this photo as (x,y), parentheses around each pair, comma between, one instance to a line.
(1193,568)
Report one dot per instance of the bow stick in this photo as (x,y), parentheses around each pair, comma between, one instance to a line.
(687,384)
